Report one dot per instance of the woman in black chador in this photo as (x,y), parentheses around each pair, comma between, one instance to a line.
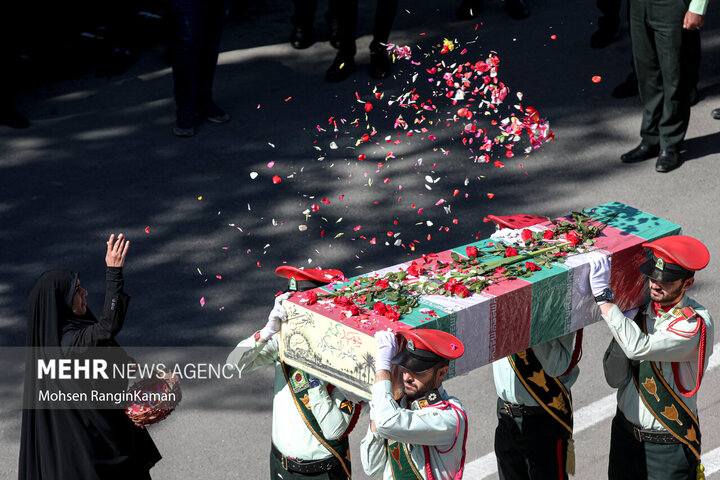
(79,443)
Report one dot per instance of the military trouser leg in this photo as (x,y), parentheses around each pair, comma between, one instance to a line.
(633,460)
(656,33)
(532,447)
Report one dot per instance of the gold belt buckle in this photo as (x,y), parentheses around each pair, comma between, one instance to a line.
(637,434)
(508,409)
(285,462)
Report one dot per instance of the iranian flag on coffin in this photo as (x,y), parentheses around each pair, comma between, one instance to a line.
(507,316)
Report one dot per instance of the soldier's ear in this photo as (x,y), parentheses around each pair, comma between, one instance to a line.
(688,283)
(441,372)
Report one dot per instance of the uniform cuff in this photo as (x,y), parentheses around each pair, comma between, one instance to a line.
(698,7)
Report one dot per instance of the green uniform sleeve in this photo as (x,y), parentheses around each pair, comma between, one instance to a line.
(555,355)
(661,345)
(250,355)
(698,6)
(616,366)
(326,408)
(373,454)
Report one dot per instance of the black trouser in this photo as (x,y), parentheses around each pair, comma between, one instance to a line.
(277,472)
(610,19)
(532,447)
(347,12)
(633,460)
(197,26)
(663,80)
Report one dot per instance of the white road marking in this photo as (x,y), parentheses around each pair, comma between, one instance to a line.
(586,417)
(711,461)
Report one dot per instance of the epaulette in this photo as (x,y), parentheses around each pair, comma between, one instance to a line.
(684,314)
(430,399)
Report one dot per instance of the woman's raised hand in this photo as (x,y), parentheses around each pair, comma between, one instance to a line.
(116,251)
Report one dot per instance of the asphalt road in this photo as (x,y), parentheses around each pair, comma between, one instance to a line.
(100,158)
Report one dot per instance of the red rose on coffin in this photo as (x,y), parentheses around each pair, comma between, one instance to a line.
(380,308)
(392,314)
(311,297)
(382,284)
(342,300)
(572,237)
(415,270)
(354,310)
(450,285)
(531,266)
(471,252)
(461,291)
(548,234)
(526,235)
(511,252)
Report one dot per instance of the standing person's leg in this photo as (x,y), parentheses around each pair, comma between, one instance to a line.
(509,447)
(627,456)
(344,63)
(303,20)
(647,68)
(185,41)
(608,24)
(385,11)
(212,18)
(691,56)
(668,15)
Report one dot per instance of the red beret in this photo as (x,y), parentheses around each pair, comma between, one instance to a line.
(675,257)
(425,348)
(517,221)
(309,275)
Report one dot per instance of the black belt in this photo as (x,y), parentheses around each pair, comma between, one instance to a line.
(297,465)
(651,436)
(516,410)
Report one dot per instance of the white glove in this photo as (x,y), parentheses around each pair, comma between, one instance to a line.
(275,319)
(387,347)
(599,273)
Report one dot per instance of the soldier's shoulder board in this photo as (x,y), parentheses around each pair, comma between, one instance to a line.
(686,322)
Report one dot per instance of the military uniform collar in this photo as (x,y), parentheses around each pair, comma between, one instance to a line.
(673,312)
(427,400)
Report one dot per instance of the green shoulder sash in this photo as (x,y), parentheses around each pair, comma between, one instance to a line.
(299,384)
(401,463)
(662,401)
(548,392)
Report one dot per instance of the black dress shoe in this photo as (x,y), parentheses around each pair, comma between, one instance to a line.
(341,68)
(302,36)
(639,153)
(379,63)
(469,9)
(667,161)
(517,9)
(603,37)
(715,114)
(627,89)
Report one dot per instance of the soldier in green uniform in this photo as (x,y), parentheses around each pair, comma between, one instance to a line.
(420,436)
(311,419)
(656,360)
(535,412)
(658,30)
